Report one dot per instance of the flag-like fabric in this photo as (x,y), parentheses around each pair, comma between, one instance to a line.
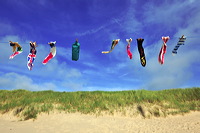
(32,55)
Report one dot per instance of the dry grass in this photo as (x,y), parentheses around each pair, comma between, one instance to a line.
(27,105)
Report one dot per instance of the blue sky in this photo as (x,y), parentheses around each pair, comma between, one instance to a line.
(96,23)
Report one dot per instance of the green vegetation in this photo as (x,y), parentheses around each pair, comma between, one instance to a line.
(28,104)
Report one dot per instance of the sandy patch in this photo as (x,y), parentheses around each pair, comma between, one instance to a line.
(79,123)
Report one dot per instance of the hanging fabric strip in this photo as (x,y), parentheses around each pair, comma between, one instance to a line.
(17,49)
(14,54)
(141,51)
(163,50)
(52,52)
(180,42)
(114,43)
(128,47)
(32,55)
(30,59)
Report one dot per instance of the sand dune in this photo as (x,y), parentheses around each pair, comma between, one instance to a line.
(79,123)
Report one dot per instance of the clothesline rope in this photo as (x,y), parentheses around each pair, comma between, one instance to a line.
(125,39)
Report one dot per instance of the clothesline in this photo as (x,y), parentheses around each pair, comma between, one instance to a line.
(76,46)
(24,42)
(18,49)
(175,37)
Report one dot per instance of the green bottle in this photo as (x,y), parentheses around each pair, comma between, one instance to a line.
(75,50)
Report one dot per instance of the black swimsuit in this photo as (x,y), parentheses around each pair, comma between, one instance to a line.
(52,45)
(12,44)
(33,49)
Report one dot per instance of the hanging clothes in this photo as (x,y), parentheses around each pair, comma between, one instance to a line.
(17,49)
(114,43)
(141,52)
(180,42)
(52,52)
(32,55)
(128,48)
(163,50)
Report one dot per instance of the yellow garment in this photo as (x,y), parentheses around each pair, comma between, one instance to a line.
(16,45)
(114,43)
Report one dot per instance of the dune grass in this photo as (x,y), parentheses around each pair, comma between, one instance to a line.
(28,104)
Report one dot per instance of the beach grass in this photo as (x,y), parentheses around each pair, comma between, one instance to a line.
(28,104)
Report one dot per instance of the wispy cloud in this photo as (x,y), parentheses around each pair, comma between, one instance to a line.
(104,27)
(90,31)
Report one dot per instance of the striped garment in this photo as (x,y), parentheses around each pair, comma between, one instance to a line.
(180,42)
(163,50)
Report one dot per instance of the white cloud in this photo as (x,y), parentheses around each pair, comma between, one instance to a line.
(65,53)
(173,73)
(104,88)
(170,14)
(16,81)
(176,71)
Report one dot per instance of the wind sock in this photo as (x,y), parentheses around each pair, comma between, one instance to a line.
(128,47)
(141,51)
(52,52)
(75,50)
(180,42)
(163,50)
(114,43)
